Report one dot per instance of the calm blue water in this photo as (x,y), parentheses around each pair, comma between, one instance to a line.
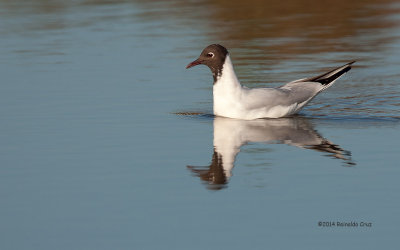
(107,142)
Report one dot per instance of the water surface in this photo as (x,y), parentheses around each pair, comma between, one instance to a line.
(107,142)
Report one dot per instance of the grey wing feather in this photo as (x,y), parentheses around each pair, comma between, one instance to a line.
(298,91)
(295,92)
(286,95)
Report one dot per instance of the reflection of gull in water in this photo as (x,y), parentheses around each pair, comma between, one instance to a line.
(231,134)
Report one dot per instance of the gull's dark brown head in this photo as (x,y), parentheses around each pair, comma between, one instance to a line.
(214,57)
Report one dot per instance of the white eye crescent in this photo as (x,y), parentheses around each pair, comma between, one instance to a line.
(210,54)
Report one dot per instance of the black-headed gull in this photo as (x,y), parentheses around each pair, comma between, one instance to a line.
(233,100)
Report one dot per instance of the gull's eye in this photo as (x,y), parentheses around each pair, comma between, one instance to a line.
(210,54)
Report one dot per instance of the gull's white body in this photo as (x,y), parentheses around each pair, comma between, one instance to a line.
(233,100)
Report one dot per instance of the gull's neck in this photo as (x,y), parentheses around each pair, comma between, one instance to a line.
(227,92)
(226,76)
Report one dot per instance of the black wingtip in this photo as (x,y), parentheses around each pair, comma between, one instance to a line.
(328,77)
(350,63)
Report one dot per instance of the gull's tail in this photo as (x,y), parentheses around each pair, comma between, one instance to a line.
(328,78)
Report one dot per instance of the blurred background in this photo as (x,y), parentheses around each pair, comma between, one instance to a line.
(94,156)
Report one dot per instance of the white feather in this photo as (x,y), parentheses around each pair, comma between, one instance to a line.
(233,100)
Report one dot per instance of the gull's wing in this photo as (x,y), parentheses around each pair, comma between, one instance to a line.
(296,92)
(283,96)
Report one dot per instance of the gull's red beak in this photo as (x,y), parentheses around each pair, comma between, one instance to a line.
(194,63)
